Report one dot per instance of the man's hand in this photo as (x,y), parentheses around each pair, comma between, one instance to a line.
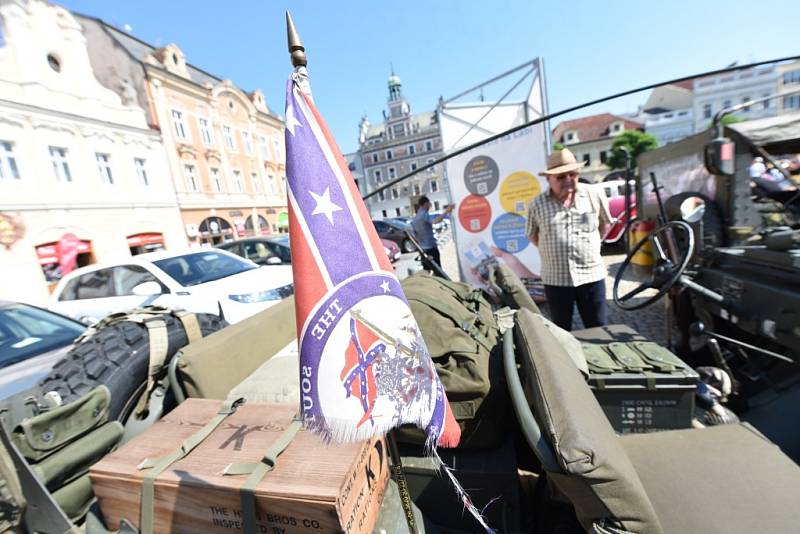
(439,218)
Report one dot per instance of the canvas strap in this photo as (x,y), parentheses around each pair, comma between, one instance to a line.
(190,325)
(159,465)
(257,470)
(467,326)
(159,344)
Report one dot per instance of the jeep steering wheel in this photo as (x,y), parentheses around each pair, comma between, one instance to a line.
(665,273)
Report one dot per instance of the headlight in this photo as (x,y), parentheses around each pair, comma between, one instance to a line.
(261,296)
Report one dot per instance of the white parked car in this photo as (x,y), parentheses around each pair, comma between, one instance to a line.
(199,280)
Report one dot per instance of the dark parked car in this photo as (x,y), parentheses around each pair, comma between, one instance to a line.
(395,230)
(262,250)
(32,340)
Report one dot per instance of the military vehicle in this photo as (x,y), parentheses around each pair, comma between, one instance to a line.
(556,465)
(742,285)
(589,431)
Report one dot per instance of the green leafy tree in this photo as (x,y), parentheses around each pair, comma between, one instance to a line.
(558,146)
(728,119)
(637,143)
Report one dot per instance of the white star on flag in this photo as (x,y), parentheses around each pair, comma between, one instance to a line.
(385,286)
(324,204)
(291,120)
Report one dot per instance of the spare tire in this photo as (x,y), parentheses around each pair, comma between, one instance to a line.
(117,355)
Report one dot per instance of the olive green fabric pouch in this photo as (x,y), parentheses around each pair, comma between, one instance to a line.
(12,501)
(659,357)
(77,457)
(599,360)
(76,497)
(44,434)
(630,359)
(458,325)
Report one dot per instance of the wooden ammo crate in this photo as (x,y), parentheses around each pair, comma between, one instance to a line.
(314,487)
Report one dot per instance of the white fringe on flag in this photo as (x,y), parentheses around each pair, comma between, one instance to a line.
(466,501)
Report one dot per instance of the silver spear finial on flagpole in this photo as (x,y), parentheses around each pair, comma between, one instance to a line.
(296,48)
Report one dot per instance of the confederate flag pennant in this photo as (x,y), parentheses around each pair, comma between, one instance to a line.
(364,367)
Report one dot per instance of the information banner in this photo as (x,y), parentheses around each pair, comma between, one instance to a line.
(493,184)
(492,187)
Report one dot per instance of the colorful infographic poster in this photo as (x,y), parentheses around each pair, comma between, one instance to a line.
(492,187)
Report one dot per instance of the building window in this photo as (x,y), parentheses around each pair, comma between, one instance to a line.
(791,102)
(191,178)
(570,136)
(417,190)
(216,180)
(237,180)
(434,186)
(726,104)
(603,157)
(765,103)
(262,141)
(397,212)
(413,165)
(377,174)
(8,165)
(374,157)
(206,133)
(248,144)
(431,170)
(428,146)
(617,127)
(383,212)
(392,174)
(271,183)
(276,145)
(745,100)
(388,154)
(58,157)
(104,167)
(254,179)
(382,197)
(394,193)
(141,171)
(180,124)
(587,158)
(436,205)
(706,111)
(791,77)
(412,149)
(228,138)
(398,130)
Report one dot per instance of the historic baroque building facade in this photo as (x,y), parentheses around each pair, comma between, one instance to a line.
(225,148)
(80,170)
(400,144)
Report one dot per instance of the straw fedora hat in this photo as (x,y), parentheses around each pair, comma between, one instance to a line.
(561,161)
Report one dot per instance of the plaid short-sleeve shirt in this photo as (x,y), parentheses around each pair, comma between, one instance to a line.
(569,240)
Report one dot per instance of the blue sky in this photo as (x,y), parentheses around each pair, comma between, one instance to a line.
(591,49)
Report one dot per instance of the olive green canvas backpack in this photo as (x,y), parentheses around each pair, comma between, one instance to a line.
(460,331)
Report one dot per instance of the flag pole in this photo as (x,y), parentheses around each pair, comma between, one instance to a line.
(297,53)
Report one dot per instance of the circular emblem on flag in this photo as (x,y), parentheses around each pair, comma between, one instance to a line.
(364,364)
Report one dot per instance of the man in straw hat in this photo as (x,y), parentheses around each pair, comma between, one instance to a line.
(566,223)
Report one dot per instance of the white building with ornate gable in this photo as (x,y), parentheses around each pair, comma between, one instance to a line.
(76,159)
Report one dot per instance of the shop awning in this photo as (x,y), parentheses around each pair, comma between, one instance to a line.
(140,240)
(283,219)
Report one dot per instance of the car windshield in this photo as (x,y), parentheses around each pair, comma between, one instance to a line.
(280,246)
(202,267)
(26,331)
